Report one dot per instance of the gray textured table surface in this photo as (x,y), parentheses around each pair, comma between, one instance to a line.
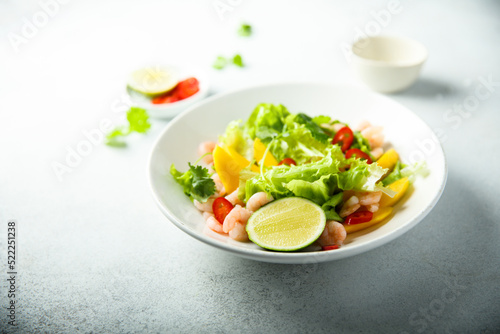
(95,254)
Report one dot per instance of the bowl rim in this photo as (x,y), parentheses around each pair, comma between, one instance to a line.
(392,64)
(292,257)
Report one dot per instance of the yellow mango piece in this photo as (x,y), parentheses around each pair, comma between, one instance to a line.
(241,160)
(400,186)
(378,216)
(259,149)
(228,167)
(388,159)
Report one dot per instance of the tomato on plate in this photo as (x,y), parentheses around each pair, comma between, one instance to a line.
(358,217)
(288,162)
(187,88)
(164,99)
(181,91)
(358,154)
(330,247)
(221,208)
(344,138)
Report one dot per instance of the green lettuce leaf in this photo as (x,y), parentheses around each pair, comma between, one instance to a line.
(275,180)
(361,143)
(330,205)
(298,144)
(317,191)
(266,121)
(292,121)
(236,138)
(196,182)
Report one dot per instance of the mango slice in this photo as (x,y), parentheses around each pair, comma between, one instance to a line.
(259,149)
(388,159)
(378,216)
(400,186)
(228,165)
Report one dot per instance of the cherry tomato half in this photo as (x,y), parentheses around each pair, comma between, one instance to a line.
(358,217)
(288,162)
(164,99)
(221,208)
(358,154)
(344,138)
(330,247)
(187,88)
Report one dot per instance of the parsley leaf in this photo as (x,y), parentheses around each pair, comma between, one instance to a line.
(138,120)
(238,61)
(196,182)
(245,30)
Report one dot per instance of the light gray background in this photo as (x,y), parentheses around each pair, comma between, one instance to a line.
(96,255)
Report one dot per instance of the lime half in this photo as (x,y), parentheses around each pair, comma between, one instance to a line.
(286,224)
(154,80)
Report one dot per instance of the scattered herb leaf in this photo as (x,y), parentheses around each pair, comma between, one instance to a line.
(238,61)
(220,63)
(138,121)
(245,30)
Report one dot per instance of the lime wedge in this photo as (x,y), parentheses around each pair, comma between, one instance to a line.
(286,224)
(153,80)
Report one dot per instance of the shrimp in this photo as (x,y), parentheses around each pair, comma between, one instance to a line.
(334,234)
(258,200)
(207,147)
(369,198)
(204,207)
(238,215)
(363,125)
(372,207)
(233,198)
(207,215)
(214,225)
(377,152)
(350,206)
(374,135)
(238,233)
(219,187)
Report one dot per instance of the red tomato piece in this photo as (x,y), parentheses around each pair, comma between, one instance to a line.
(164,99)
(187,88)
(358,217)
(330,247)
(221,208)
(288,162)
(358,154)
(344,138)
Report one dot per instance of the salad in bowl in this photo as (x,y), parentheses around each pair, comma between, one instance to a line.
(230,146)
(288,181)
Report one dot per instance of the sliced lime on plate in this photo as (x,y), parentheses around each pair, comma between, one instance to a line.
(286,224)
(153,80)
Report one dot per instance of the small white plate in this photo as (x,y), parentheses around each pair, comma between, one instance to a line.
(170,110)
(407,133)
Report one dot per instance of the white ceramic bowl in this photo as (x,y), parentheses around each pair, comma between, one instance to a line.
(388,64)
(404,131)
(169,110)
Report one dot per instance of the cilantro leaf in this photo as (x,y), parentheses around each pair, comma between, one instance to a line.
(138,120)
(245,30)
(238,61)
(220,63)
(196,182)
